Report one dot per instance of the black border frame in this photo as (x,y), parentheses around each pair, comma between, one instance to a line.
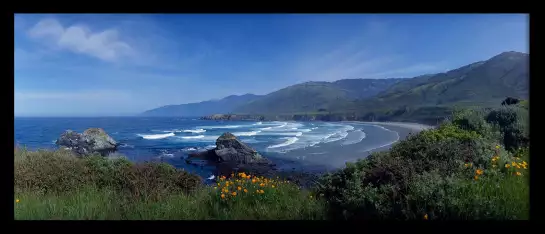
(239,226)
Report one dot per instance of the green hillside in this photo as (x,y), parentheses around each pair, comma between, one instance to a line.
(313,96)
(483,83)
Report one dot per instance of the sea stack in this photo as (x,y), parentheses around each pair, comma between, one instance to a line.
(93,140)
(231,155)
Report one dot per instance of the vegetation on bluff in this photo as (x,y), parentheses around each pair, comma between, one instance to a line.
(473,166)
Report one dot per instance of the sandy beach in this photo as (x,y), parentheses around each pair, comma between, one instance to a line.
(333,156)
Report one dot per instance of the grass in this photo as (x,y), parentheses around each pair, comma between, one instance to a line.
(460,170)
(58,185)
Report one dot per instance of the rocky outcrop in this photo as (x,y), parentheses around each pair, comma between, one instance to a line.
(93,140)
(231,155)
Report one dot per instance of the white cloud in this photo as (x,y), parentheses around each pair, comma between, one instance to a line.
(104,45)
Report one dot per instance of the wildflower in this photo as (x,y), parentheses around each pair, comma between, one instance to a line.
(262,184)
(223,196)
(479,172)
(245,190)
(466,165)
(524,166)
(272,186)
(497,146)
(524,163)
(218,184)
(513,163)
(507,165)
(239,188)
(493,165)
(517,158)
(476,177)
(518,166)
(518,173)
(215,187)
(253,181)
(17,200)
(493,159)
(234,193)
(426,217)
(262,192)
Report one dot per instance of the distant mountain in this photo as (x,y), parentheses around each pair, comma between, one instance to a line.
(482,83)
(225,105)
(315,96)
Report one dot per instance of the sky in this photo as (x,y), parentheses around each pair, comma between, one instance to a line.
(124,64)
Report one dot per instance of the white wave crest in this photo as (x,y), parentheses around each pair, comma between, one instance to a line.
(195,131)
(246,133)
(192,137)
(156,136)
(290,141)
(220,127)
(281,133)
(359,137)
(335,137)
(210,147)
(258,123)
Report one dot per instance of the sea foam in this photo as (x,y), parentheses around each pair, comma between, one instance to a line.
(290,141)
(156,136)
(195,131)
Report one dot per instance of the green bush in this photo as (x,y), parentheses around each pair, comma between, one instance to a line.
(513,124)
(428,174)
(59,171)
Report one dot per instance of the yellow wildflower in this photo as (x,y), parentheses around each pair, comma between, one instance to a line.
(479,172)
(17,200)
(518,173)
(245,190)
(513,164)
(466,165)
(524,166)
(476,177)
(497,146)
(426,217)
(222,196)
(234,193)
(262,192)
(272,186)
(253,181)
(518,166)
(215,187)
(262,184)
(239,188)
(507,165)
(524,163)
(493,165)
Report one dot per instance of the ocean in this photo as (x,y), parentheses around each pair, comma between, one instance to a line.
(313,146)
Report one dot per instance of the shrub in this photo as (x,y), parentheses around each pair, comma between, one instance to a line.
(513,124)
(60,171)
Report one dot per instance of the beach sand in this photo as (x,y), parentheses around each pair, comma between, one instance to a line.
(332,156)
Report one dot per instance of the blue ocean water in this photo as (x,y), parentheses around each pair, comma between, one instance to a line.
(310,145)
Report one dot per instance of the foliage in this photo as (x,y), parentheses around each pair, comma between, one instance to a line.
(59,171)
(514,125)
(456,171)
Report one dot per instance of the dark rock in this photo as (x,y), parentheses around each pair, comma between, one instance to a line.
(231,155)
(510,101)
(93,140)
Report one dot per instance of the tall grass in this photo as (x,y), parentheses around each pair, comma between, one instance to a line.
(58,185)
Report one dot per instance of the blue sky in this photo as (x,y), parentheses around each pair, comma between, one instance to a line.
(123,64)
